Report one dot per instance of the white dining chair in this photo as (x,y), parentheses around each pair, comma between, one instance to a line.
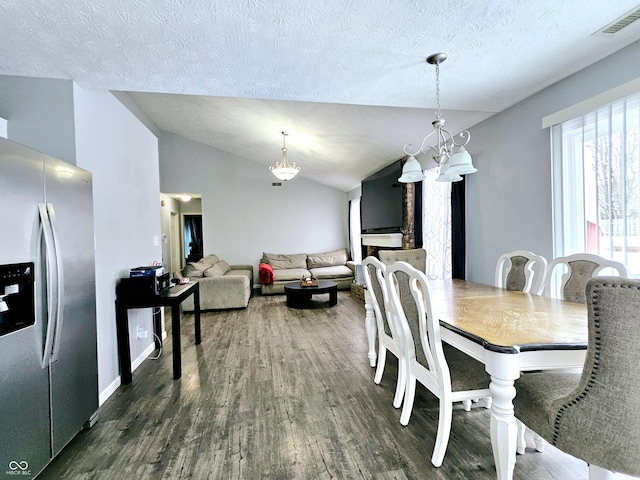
(448,373)
(577,270)
(374,272)
(521,270)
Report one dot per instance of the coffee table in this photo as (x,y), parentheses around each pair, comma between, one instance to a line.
(300,297)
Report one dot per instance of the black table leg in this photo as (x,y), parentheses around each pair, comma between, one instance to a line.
(333,297)
(196,313)
(175,334)
(124,352)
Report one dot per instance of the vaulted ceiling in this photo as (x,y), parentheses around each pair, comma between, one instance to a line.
(347,79)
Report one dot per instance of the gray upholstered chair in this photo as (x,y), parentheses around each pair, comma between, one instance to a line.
(595,415)
(374,276)
(578,268)
(416,257)
(448,373)
(521,270)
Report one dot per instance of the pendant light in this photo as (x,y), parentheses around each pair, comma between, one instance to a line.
(449,155)
(283,170)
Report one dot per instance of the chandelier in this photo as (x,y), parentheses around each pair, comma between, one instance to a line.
(449,155)
(283,170)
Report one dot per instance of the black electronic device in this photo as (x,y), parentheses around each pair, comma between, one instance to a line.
(144,286)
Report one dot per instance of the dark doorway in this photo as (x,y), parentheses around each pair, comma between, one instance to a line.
(193,237)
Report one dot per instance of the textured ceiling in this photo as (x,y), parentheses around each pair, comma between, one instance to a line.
(347,79)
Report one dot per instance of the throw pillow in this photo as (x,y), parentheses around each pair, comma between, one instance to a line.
(217,270)
(210,260)
(194,269)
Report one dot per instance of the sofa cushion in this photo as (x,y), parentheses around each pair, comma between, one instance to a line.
(337,271)
(289,274)
(328,259)
(195,269)
(217,270)
(281,261)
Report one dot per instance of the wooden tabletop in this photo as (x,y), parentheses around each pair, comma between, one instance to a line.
(505,320)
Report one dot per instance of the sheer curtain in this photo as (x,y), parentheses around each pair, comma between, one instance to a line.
(597,183)
(436,229)
(354,231)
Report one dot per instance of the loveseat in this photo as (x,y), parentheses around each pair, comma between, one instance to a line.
(222,286)
(277,269)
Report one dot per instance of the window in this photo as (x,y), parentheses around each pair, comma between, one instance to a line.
(596,174)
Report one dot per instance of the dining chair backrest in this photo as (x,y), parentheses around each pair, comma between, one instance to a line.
(578,269)
(416,257)
(597,419)
(521,270)
(408,291)
(374,272)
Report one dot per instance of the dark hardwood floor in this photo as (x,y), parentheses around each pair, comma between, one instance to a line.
(279,393)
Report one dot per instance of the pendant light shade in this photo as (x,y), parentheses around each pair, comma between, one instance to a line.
(446,175)
(411,171)
(461,163)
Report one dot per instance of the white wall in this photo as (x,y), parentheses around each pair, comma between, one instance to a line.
(242,214)
(508,202)
(123,156)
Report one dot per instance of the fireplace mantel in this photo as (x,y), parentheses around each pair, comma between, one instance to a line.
(391,240)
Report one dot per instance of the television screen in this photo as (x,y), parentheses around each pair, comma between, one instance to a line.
(381,205)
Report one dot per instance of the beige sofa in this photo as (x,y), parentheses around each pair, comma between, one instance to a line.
(222,286)
(334,265)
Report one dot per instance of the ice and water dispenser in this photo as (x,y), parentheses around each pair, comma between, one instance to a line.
(17,306)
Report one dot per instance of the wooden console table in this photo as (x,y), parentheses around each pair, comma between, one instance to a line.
(173,297)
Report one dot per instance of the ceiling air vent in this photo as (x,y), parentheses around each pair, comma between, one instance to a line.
(622,22)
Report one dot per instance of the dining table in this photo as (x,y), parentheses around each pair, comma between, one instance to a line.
(510,332)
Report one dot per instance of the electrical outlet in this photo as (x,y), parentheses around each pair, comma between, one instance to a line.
(142,332)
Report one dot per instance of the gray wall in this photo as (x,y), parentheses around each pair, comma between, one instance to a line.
(242,214)
(40,114)
(509,200)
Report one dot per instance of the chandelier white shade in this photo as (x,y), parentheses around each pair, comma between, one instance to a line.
(411,171)
(283,170)
(449,154)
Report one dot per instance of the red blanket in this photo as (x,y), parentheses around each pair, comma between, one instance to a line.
(265,273)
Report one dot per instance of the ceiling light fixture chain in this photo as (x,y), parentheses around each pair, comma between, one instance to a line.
(449,155)
(282,169)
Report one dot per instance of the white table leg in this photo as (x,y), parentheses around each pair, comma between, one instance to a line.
(370,327)
(503,369)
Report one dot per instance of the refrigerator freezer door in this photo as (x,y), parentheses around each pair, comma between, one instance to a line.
(24,386)
(73,369)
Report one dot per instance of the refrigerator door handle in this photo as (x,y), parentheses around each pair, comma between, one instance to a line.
(53,297)
(47,236)
(58,282)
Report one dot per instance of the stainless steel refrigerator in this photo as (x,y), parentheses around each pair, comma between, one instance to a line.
(48,352)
